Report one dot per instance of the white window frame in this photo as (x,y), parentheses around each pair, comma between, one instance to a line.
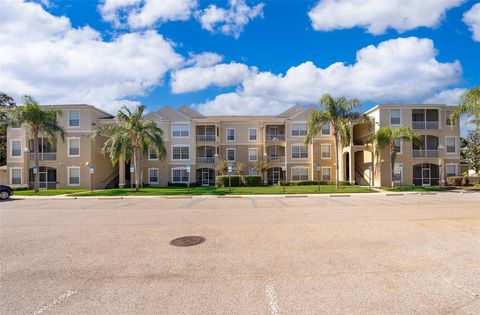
(330,151)
(181,124)
(323,168)
(295,168)
(256,134)
(249,154)
(79,119)
(158,174)
(298,158)
(11,149)
(150,150)
(298,123)
(179,146)
(451,164)
(234,154)
(329,129)
(16,168)
(390,116)
(226,134)
(400,166)
(68,146)
(456,145)
(68,175)
(180,169)
(401,145)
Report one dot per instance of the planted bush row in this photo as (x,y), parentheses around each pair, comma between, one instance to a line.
(239,181)
(463,180)
(312,182)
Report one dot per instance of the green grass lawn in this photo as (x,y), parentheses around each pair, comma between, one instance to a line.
(172,191)
(48,192)
(414,188)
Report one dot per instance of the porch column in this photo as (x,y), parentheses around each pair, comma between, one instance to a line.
(121,171)
(351,160)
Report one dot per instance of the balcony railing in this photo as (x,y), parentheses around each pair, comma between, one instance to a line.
(206,138)
(44,156)
(275,137)
(425,124)
(205,160)
(425,153)
(276,159)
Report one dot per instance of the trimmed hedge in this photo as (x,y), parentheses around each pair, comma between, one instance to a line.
(312,182)
(239,180)
(463,180)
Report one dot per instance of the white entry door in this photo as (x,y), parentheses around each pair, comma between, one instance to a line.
(275,176)
(426,177)
(205,177)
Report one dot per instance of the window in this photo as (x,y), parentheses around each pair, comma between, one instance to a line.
(73,147)
(398,145)
(447,119)
(326,151)
(231,155)
(180,175)
(15,176)
(252,171)
(451,170)
(451,144)
(398,172)
(180,130)
(230,134)
(152,154)
(395,117)
(326,128)
(252,134)
(181,153)
(153,175)
(16,148)
(252,154)
(299,129)
(74,176)
(299,152)
(299,173)
(74,118)
(326,173)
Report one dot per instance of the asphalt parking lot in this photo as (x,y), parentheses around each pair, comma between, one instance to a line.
(364,254)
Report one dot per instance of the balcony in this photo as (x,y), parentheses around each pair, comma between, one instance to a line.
(424,119)
(275,137)
(425,153)
(206,138)
(276,159)
(425,125)
(205,160)
(44,156)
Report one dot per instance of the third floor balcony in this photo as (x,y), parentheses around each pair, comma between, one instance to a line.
(425,119)
(207,133)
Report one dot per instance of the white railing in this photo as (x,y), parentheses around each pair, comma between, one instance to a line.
(276,159)
(425,124)
(425,153)
(275,137)
(206,138)
(205,160)
(44,156)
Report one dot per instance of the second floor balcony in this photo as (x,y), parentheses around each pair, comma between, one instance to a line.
(275,137)
(425,153)
(44,156)
(206,160)
(206,133)
(428,147)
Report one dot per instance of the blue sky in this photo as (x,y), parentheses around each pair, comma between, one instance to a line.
(78,52)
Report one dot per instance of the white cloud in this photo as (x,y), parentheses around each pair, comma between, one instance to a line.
(472,19)
(198,78)
(204,59)
(145,13)
(229,21)
(378,16)
(402,69)
(449,97)
(44,56)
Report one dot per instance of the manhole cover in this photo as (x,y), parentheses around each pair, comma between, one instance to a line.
(187,241)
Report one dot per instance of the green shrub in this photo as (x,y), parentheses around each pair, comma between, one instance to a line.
(224,180)
(252,180)
(463,180)
(20,188)
(312,182)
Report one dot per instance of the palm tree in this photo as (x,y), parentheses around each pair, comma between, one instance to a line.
(469,104)
(131,136)
(338,112)
(37,120)
(385,137)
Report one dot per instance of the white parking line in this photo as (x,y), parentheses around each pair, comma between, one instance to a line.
(272,299)
(58,300)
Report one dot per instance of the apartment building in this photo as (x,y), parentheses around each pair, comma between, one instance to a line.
(197,142)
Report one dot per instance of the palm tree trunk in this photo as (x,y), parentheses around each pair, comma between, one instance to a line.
(392,165)
(336,159)
(135,163)
(36,158)
(141,170)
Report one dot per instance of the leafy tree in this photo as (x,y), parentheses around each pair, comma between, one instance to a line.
(37,120)
(239,168)
(339,113)
(6,104)
(470,151)
(222,167)
(261,166)
(131,136)
(470,105)
(385,138)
